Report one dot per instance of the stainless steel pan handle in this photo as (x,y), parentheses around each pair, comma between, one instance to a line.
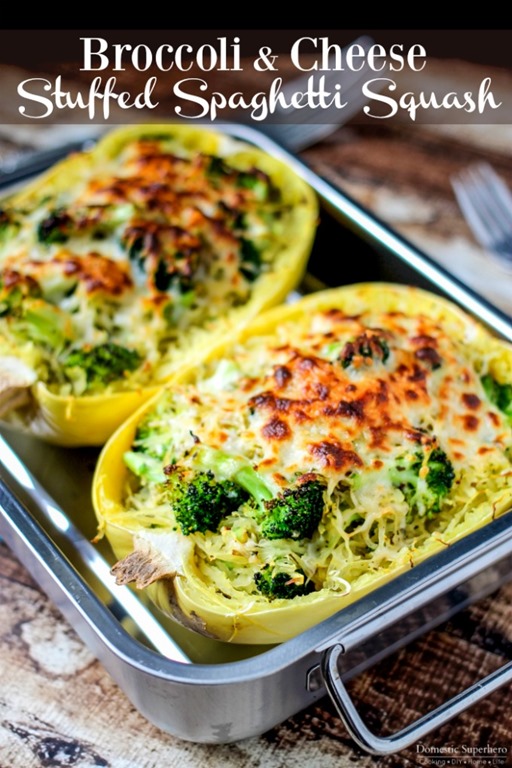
(386,745)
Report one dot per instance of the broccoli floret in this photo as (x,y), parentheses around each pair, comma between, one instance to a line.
(15,288)
(217,166)
(9,226)
(218,484)
(500,395)
(181,303)
(148,452)
(56,228)
(281,584)
(292,514)
(250,257)
(234,468)
(253,179)
(424,479)
(10,302)
(168,255)
(150,440)
(257,181)
(295,513)
(5,218)
(92,221)
(199,500)
(254,484)
(144,466)
(162,277)
(369,345)
(103,363)
(44,323)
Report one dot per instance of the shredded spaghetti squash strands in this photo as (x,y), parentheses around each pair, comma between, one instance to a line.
(351,399)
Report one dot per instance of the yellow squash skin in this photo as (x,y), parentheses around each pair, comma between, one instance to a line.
(91,419)
(186,596)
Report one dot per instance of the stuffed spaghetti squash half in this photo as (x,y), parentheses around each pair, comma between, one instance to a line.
(123,262)
(335,443)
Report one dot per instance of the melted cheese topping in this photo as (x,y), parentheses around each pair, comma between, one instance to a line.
(352,402)
(157,241)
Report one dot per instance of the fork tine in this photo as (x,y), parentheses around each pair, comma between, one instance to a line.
(486,203)
(481,187)
(471,212)
(501,194)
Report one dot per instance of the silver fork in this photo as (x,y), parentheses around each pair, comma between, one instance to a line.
(486,202)
(293,128)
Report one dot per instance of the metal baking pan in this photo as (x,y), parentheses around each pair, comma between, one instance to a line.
(207,691)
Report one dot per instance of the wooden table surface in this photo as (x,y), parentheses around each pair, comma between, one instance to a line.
(58,705)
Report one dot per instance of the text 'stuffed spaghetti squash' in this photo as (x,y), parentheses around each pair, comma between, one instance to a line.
(124,262)
(337,442)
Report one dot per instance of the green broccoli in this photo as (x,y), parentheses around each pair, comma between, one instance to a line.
(200,495)
(149,450)
(9,225)
(175,309)
(254,179)
(424,479)
(10,302)
(233,468)
(145,466)
(217,167)
(250,257)
(95,221)
(169,256)
(281,584)
(500,395)
(151,441)
(55,228)
(45,323)
(368,344)
(295,513)
(103,363)
(15,288)
(258,182)
(199,500)
(218,484)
